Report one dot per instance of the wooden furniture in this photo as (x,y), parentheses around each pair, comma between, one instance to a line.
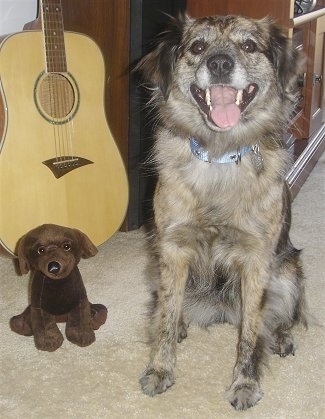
(307,32)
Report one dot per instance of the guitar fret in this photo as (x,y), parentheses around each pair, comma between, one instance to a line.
(53,34)
(54,43)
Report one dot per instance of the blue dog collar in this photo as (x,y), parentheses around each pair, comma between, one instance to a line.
(231,157)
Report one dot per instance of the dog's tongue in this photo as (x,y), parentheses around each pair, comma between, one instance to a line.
(225,113)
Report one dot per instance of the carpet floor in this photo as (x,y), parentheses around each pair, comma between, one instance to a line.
(101,381)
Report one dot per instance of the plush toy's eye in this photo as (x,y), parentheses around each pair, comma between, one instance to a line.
(41,250)
(198,47)
(249,46)
(67,246)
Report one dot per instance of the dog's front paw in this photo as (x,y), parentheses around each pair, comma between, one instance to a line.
(244,395)
(48,340)
(154,382)
(79,336)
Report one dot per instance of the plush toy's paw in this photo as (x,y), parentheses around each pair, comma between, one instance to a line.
(21,323)
(98,315)
(80,336)
(49,339)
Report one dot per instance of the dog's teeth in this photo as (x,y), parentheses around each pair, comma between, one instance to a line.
(239,97)
(208,98)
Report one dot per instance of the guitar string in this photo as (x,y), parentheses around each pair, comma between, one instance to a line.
(49,78)
(62,83)
(59,85)
(73,98)
(65,85)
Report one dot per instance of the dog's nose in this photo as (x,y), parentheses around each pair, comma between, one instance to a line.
(220,64)
(53,267)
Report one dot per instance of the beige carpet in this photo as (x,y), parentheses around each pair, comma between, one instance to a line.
(101,381)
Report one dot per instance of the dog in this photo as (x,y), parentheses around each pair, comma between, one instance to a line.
(223,89)
(52,253)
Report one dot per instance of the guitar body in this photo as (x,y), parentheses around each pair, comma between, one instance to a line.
(41,179)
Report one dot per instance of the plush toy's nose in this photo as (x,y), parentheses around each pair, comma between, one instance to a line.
(54,267)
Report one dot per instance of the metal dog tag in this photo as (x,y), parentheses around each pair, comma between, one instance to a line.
(257,158)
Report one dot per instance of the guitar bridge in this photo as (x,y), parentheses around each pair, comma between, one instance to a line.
(65,164)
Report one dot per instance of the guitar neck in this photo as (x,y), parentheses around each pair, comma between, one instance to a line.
(53,36)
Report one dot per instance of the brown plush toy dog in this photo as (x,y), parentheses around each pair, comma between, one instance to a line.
(52,253)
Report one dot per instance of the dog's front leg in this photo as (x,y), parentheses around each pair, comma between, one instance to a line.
(78,328)
(47,335)
(245,390)
(159,374)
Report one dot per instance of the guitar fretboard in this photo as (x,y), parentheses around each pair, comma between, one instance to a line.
(53,33)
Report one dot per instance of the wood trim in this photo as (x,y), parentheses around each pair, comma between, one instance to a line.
(306,160)
(300,20)
(279,9)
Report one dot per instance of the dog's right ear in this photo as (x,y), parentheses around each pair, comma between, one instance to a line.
(24,265)
(157,66)
(87,247)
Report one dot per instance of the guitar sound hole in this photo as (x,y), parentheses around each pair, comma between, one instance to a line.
(55,97)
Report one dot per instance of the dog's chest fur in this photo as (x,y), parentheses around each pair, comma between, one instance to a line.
(217,195)
(218,213)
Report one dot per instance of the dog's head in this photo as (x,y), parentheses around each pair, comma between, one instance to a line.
(53,250)
(226,71)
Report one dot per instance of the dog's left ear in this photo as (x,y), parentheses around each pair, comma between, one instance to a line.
(288,61)
(87,247)
(157,66)
(24,265)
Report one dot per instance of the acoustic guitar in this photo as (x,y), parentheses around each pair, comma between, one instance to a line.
(58,160)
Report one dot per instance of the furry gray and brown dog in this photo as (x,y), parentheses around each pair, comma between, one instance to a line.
(223,89)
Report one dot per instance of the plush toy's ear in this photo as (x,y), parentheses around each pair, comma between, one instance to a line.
(87,247)
(24,264)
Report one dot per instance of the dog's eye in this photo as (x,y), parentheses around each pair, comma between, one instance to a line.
(249,46)
(66,246)
(197,47)
(41,250)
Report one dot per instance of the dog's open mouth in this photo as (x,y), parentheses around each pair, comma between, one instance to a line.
(224,104)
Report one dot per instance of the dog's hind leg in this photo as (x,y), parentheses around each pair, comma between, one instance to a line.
(269,313)
(182,329)
(286,303)
(174,262)
(284,342)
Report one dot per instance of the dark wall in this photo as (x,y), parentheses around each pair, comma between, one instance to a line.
(148,19)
